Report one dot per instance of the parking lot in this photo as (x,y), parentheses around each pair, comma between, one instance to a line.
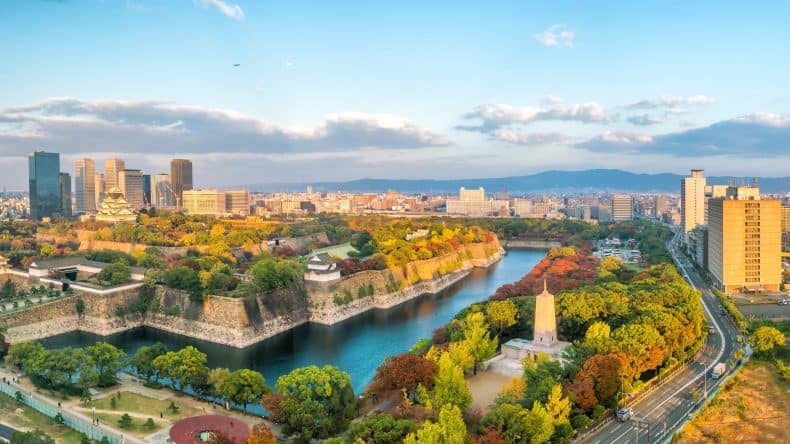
(764,311)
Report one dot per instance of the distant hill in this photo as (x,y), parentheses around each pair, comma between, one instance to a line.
(547,181)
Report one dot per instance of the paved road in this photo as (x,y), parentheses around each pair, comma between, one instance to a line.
(669,405)
(6,432)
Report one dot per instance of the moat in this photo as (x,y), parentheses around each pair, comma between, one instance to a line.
(357,345)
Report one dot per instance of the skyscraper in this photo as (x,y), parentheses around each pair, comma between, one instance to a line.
(111,169)
(98,183)
(744,242)
(65,194)
(44,184)
(85,185)
(147,189)
(622,207)
(130,183)
(161,191)
(692,202)
(180,178)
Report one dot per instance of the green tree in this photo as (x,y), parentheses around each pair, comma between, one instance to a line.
(449,387)
(125,422)
(216,379)
(318,402)
(540,375)
(378,429)
(32,437)
(450,429)
(766,338)
(476,334)
(115,274)
(143,360)
(244,386)
(185,278)
(184,367)
(271,274)
(107,360)
(502,314)
(558,406)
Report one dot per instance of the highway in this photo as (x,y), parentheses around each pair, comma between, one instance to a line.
(666,408)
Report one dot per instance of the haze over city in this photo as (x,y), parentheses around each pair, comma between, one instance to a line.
(257,92)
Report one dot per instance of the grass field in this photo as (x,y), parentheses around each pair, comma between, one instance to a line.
(140,408)
(24,418)
(754,406)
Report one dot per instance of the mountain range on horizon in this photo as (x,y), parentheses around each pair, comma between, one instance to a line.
(547,181)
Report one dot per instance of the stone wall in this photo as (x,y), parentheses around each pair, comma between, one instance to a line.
(538,244)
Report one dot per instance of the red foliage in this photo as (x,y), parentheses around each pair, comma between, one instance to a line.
(403,372)
(271,402)
(563,273)
(598,379)
(489,436)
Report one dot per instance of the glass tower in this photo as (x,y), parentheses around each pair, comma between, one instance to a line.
(44,181)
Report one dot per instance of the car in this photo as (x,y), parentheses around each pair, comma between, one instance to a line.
(711,330)
(624,414)
(739,339)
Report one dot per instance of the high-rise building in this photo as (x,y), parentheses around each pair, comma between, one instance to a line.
(85,185)
(744,243)
(660,205)
(130,182)
(161,191)
(692,202)
(147,189)
(180,178)
(472,195)
(112,167)
(65,194)
(44,184)
(622,207)
(98,184)
(237,202)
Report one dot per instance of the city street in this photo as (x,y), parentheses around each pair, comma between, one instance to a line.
(659,413)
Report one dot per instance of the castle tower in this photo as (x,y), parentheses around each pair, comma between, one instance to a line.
(545,319)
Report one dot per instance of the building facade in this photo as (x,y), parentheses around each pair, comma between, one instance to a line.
(85,186)
(161,191)
(622,207)
(180,178)
(112,167)
(131,185)
(692,202)
(208,202)
(99,189)
(744,244)
(237,202)
(44,184)
(65,194)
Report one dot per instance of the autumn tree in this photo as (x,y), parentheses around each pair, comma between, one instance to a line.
(403,373)
(599,380)
(244,386)
(519,425)
(766,338)
(261,434)
(476,334)
(502,314)
(450,429)
(378,429)
(450,386)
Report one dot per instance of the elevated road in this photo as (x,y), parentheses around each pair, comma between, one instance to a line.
(659,413)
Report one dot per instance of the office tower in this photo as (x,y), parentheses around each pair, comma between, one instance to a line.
(661,205)
(85,185)
(65,194)
(622,207)
(692,202)
(180,178)
(237,202)
(130,182)
(147,189)
(111,169)
(98,183)
(161,191)
(44,184)
(786,228)
(744,243)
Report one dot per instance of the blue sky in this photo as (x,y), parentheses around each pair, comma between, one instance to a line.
(338,90)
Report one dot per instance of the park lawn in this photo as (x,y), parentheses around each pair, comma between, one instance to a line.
(752,407)
(137,429)
(135,403)
(31,419)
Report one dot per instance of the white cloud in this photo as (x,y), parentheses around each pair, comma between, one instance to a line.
(528,139)
(671,102)
(644,120)
(494,116)
(557,36)
(70,125)
(231,10)
(767,119)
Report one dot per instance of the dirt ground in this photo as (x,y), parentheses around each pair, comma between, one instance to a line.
(484,387)
(754,407)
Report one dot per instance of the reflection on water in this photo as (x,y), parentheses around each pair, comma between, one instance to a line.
(357,345)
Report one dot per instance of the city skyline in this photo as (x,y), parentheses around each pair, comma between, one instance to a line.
(385,91)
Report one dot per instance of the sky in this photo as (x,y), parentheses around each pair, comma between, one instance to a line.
(341,90)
